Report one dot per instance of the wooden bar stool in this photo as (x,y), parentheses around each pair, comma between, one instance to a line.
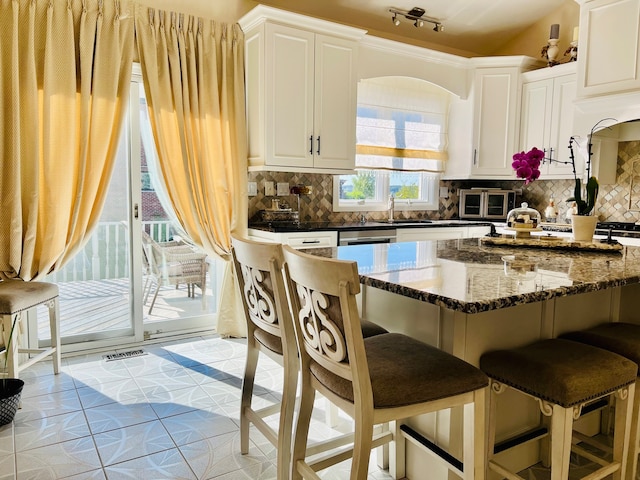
(565,377)
(375,380)
(270,331)
(623,339)
(17,297)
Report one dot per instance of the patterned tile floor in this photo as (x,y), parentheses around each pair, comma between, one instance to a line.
(169,414)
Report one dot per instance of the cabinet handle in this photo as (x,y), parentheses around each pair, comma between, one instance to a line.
(475,156)
(550,153)
(311,145)
(318,144)
(310,241)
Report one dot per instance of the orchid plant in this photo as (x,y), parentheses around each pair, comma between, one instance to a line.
(527,167)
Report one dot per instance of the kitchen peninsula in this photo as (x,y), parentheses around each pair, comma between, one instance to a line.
(468,298)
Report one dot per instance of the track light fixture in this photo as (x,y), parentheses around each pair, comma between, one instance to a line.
(416,15)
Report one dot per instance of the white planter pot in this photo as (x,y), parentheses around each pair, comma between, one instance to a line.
(583,227)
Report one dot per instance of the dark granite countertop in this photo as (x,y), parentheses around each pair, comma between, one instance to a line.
(465,276)
(324,226)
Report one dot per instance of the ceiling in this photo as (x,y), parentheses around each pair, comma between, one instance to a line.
(471,27)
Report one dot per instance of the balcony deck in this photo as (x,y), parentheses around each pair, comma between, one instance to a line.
(91,306)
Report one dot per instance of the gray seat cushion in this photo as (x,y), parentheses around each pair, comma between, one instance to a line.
(272,342)
(16,295)
(621,338)
(369,329)
(405,371)
(560,371)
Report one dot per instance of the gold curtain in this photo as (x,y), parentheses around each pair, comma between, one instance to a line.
(65,78)
(193,71)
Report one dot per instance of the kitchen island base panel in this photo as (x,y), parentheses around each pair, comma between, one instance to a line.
(468,336)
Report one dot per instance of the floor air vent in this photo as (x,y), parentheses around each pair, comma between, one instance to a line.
(120,355)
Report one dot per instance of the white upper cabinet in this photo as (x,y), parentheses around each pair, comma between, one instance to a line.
(483,132)
(547,112)
(495,110)
(301,92)
(609,47)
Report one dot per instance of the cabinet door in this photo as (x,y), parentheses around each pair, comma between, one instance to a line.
(564,94)
(547,122)
(289,77)
(335,103)
(494,121)
(609,47)
(536,115)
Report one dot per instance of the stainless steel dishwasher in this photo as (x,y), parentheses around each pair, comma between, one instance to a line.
(366,236)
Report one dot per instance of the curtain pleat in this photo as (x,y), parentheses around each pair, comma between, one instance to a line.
(66,69)
(193,73)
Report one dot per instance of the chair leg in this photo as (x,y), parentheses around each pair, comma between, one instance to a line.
(474,438)
(561,431)
(155,295)
(397,454)
(298,452)
(622,430)
(634,437)
(362,442)
(491,420)
(54,316)
(287,409)
(247,393)
(331,414)
(382,453)
(10,337)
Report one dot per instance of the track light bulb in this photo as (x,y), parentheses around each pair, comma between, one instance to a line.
(418,23)
(395,20)
(438,27)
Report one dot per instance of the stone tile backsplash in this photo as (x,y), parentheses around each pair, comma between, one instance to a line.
(612,204)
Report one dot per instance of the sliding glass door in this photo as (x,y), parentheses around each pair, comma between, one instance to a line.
(138,276)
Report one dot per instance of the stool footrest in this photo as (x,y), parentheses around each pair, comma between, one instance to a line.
(432,447)
(529,436)
(592,407)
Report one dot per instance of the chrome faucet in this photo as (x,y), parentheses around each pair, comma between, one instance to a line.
(392,204)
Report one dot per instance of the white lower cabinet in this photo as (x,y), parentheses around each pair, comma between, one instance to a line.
(297,239)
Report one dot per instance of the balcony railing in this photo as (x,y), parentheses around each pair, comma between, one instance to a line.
(106,255)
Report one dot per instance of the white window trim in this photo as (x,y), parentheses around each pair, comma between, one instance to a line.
(375,205)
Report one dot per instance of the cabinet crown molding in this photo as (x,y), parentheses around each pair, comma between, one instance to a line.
(550,72)
(523,62)
(263,13)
